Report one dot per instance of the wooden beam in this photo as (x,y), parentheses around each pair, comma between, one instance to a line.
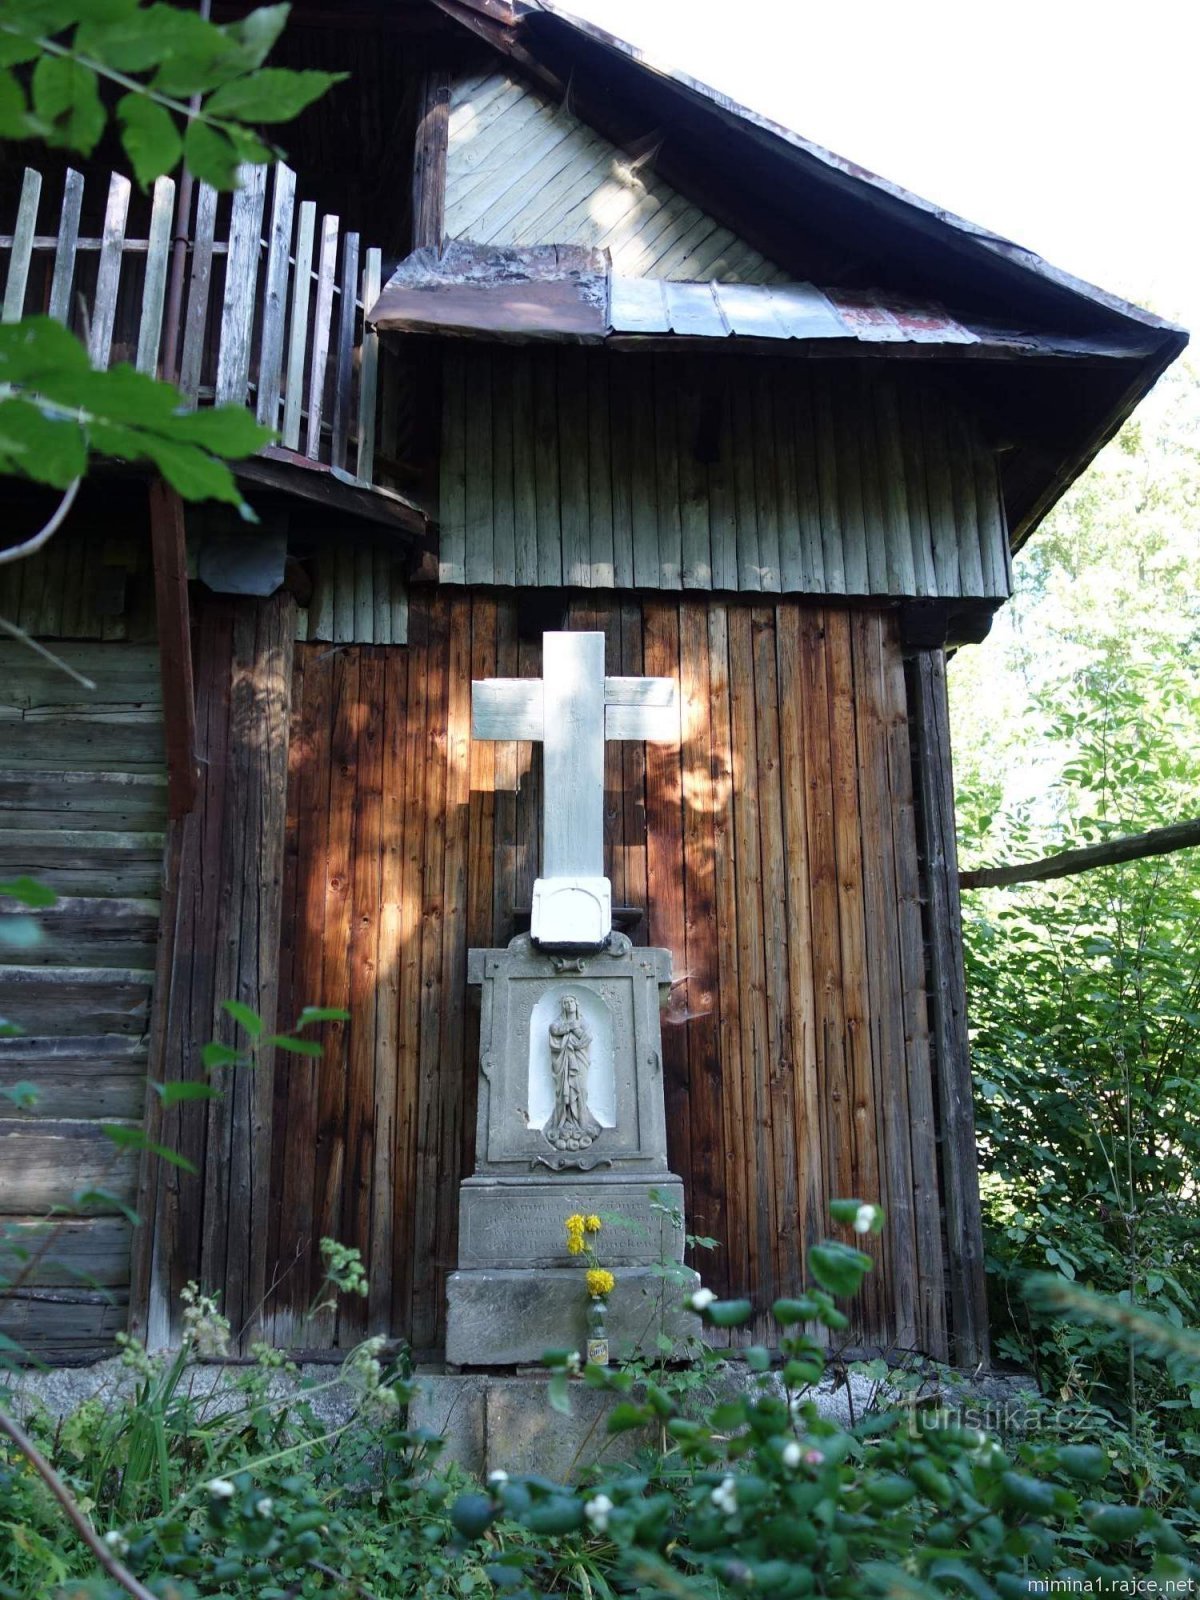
(1066,863)
(168,546)
(948,1007)
(429,161)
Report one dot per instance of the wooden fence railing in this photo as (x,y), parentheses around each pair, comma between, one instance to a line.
(260,324)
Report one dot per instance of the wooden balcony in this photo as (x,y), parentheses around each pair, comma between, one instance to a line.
(271,314)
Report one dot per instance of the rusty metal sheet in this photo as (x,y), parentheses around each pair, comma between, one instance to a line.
(545,308)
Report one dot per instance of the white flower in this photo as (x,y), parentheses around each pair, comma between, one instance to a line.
(701,1300)
(791,1454)
(498,1478)
(221,1489)
(117,1542)
(724,1496)
(574,1363)
(596,1511)
(265,1507)
(864,1217)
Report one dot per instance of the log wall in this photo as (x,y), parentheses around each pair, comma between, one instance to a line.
(777,850)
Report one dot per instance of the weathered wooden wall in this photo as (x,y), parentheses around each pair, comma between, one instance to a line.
(521,169)
(82,809)
(608,470)
(777,850)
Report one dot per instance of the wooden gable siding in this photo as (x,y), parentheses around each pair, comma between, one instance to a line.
(360,596)
(523,170)
(591,469)
(82,809)
(777,851)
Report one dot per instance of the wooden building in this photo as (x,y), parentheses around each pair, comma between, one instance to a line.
(646,364)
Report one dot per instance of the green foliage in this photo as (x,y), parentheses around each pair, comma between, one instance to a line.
(1085,992)
(56,57)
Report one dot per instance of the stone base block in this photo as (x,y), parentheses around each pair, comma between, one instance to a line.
(518,1223)
(500,1318)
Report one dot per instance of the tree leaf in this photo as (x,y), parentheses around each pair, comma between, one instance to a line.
(29,892)
(271,95)
(225,430)
(214,1055)
(258,32)
(127,1137)
(49,450)
(210,155)
(242,1014)
(13,114)
(321,1014)
(179,1091)
(151,140)
(296,1047)
(838,1267)
(66,103)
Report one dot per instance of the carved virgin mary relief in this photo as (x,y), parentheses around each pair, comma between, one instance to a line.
(572,1094)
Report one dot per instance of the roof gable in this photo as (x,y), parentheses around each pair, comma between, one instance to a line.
(523,169)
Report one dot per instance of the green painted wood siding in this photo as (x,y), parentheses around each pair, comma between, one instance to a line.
(591,469)
(522,170)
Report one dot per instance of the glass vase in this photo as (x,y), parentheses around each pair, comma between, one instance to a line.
(597,1332)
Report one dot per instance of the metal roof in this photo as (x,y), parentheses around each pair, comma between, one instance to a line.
(570,293)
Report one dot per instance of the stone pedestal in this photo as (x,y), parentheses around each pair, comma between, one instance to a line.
(571,1119)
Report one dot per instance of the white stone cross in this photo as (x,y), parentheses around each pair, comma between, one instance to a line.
(573,708)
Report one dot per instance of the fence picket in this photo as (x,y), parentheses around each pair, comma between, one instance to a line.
(64,250)
(241,281)
(344,358)
(108,275)
(191,362)
(368,378)
(22,246)
(270,359)
(298,333)
(320,342)
(158,249)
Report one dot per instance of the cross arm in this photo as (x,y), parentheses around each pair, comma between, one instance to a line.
(507,708)
(641,708)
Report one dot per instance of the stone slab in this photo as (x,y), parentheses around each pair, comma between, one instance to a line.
(499,1318)
(510,1223)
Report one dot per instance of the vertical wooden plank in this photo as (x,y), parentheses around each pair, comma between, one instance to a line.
(480,487)
(362,1142)
(275,287)
(722,500)
(343,594)
(346,715)
(885,981)
(428,1282)
(807,1110)
(832,548)
(966,513)
(429,161)
(573,422)
(920,529)
(452,553)
(745,500)
(879,533)
(778,1087)
(693,480)
(168,545)
(901,568)
(733,1267)
(381,596)
(666,449)
(766,478)
(620,425)
(525,509)
(157,251)
(633,779)
(368,381)
(322,314)
(195,324)
(21,252)
(298,327)
(942,514)
(921,1131)
(388,1018)
(755,1057)
(783,442)
(850,464)
(993,534)
(364,594)
(241,284)
(599,471)
(412,822)
(65,247)
(700,992)
(343,362)
(506,778)
(647,564)
(504,535)
(948,1007)
(665,883)
(858,1159)
(546,468)
(108,274)
(399,603)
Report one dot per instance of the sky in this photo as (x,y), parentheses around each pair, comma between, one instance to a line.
(1072,134)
